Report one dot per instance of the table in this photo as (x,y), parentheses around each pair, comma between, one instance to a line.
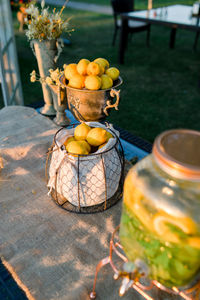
(174,16)
(51,253)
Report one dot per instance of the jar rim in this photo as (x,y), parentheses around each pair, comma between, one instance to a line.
(174,152)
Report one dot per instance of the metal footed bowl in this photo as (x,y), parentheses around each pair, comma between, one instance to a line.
(87,105)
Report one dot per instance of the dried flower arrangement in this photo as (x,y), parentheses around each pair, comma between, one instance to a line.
(45,25)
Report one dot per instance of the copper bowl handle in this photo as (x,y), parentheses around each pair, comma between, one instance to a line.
(109,104)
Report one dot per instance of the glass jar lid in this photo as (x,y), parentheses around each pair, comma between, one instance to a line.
(177,152)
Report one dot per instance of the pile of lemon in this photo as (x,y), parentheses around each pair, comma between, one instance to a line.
(87,139)
(93,75)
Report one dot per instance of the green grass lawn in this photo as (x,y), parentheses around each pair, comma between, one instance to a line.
(161,86)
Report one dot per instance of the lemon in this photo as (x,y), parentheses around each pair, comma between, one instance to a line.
(109,135)
(81,131)
(194,242)
(113,73)
(75,147)
(68,140)
(92,82)
(185,224)
(93,69)
(103,62)
(132,198)
(101,146)
(97,136)
(129,191)
(106,82)
(70,70)
(102,70)
(86,145)
(77,81)
(161,224)
(82,66)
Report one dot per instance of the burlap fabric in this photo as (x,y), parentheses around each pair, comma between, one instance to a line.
(51,253)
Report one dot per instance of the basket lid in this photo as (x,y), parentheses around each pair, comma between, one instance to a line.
(177,151)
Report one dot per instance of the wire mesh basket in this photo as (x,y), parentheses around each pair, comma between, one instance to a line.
(85,183)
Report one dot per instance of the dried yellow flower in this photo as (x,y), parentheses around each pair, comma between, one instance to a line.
(33,78)
(45,25)
(49,81)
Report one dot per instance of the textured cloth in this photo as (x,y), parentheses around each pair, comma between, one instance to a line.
(51,253)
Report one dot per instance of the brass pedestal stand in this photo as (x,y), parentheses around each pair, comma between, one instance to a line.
(133,279)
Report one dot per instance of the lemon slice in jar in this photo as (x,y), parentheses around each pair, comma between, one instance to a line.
(162,223)
(132,198)
(194,242)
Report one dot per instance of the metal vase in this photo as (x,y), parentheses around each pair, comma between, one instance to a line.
(45,52)
(60,105)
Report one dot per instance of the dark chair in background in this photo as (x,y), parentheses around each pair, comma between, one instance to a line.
(197,33)
(123,6)
(196,41)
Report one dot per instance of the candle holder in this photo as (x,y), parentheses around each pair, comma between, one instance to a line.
(134,275)
(60,105)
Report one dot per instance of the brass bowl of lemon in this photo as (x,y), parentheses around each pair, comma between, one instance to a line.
(91,88)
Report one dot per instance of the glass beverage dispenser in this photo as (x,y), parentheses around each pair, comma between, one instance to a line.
(160,222)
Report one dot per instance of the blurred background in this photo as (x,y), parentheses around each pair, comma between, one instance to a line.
(160,88)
